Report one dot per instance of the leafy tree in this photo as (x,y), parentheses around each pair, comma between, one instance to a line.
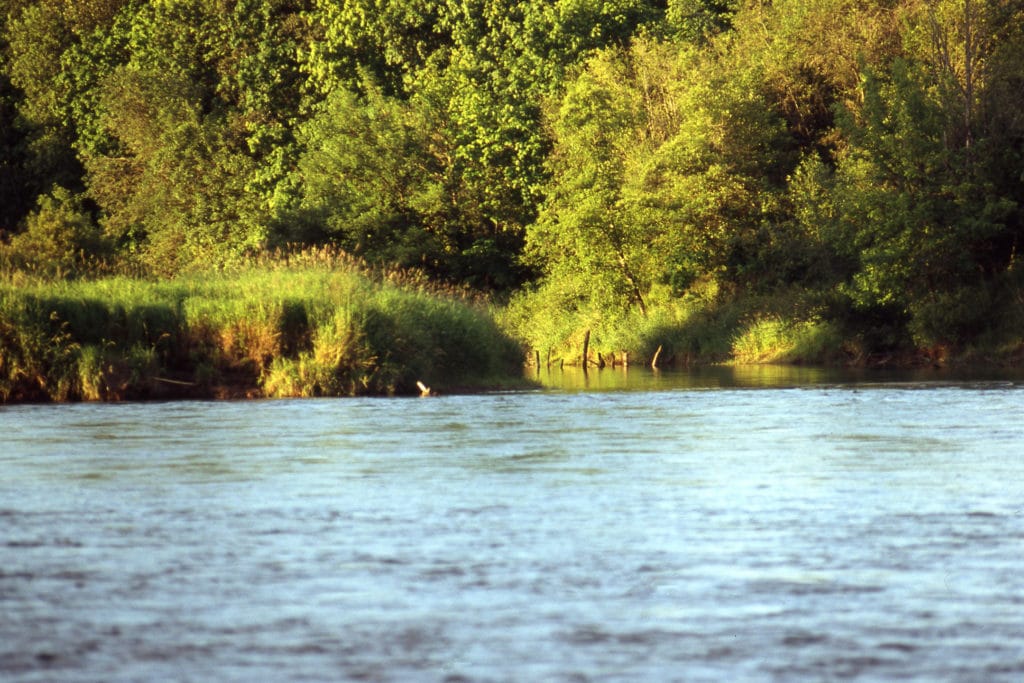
(696,21)
(60,237)
(260,80)
(389,39)
(37,37)
(660,178)
(482,70)
(176,195)
(370,182)
(40,37)
(919,209)
(85,66)
(503,65)
(190,134)
(809,57)
(586,239)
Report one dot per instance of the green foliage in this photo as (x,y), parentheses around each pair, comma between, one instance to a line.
(370,181)
(775,340)
(916,207)
(60,238)
(697,21)
(609,161)
(186,115)
(390,40)
(659,180)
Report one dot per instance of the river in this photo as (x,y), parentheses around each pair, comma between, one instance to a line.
(710,527)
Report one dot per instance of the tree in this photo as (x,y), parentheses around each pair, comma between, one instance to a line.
(176,193)
(587,239)
(503,65)
(37,37)
(60,237)
(697,21)
(186,119)
(920,210)
(660,177)
(389,39)
(370,181)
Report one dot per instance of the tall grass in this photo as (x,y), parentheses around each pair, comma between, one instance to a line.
(777,340)
(710,323)
(300,324)
(696,327)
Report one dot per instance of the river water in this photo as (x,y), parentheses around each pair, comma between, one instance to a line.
(759,528)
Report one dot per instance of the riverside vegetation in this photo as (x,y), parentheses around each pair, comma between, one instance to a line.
(314,324)
(819,181)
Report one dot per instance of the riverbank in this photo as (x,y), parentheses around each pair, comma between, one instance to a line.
(797,345)
(313,324)
(718,325)
(319,323)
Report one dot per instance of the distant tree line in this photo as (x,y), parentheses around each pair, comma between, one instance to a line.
(603,155)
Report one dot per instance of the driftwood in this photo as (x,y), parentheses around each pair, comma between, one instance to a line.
(654,361)
(175,382)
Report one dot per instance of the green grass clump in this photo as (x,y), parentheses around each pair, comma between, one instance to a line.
(696,327)
(777,340)
(312,324)
(709,323)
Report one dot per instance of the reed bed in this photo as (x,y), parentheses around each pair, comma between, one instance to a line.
(310,323)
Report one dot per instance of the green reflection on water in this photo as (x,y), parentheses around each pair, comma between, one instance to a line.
(644,379)
(749,376)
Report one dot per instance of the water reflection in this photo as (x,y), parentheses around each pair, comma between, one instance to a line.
(639,378)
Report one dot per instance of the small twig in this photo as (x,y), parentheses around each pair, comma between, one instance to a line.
(176,382)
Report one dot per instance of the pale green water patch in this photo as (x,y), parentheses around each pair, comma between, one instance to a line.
(640,378)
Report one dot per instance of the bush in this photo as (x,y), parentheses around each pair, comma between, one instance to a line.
(60,238)
(952,317)
(775,340)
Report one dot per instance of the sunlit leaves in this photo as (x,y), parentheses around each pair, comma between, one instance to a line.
(369,179)
(867,151)
(60,236)
(660,176)
(389,38)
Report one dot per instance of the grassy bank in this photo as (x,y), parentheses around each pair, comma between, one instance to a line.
(714,324)
(313,324)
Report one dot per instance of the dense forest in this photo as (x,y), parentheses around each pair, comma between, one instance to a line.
(714,177)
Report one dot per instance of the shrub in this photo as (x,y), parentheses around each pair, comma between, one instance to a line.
(60,238)
(775,340)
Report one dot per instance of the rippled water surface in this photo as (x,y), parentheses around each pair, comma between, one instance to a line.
(692,531)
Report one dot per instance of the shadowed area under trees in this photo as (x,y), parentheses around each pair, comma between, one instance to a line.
(805,180)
